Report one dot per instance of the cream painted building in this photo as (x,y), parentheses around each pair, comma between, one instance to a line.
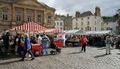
(59,22)
(88,21)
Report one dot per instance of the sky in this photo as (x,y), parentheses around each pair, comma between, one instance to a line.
(63,7)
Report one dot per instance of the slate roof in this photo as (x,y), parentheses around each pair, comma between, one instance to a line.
(87,13)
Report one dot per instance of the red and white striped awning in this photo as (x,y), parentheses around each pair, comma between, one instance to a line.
(30,27)
(57,30)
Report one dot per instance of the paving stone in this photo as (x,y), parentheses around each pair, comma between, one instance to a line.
(70,58)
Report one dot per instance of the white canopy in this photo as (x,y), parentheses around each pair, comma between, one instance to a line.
(73,32)
(97,32)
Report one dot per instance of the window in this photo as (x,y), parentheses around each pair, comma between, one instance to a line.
(95,17)
(95,22)
(88,23)
(81,18)
(76,25)
(107,23)
(60,23)
(82,24)
(39,18)
(81,28)
(29,19)
(18,16)
(88,17)
(5,14)
(49,19)
(108,28)
(57,23)
(88,28)
(95,28)
(76,19)
(60,27)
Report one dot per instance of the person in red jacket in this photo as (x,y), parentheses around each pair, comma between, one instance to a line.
(83,44)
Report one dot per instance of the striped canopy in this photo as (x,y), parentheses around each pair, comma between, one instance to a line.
(53,31)
(30,27)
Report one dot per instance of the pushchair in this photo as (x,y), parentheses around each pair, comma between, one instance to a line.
(54,49)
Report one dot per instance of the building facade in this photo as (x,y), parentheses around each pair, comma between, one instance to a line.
(88,21)
(17,12)
(109,26)
(59,22)
(68,22)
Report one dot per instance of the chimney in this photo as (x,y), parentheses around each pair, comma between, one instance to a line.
(97,11)
(67,15)
(77,14)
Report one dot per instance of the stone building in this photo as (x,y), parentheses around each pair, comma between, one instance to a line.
(17,12)
(87,21)
(68,22)
(109,23)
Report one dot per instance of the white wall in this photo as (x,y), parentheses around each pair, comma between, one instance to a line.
(94,21)
(59,24)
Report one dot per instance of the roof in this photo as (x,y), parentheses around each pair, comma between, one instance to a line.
(45,5)
(15,1)
(60,17)
(87,13)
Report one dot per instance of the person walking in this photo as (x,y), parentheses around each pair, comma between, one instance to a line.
(45,41)
(19,47)
(83,44)
(27,48)
(5,38)
(39,40)
(108,44)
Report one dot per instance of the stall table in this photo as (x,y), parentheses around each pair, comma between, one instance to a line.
(37,48)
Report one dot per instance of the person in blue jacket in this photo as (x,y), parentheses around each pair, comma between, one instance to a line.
(27,48)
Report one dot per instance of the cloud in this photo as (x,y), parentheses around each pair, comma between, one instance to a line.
(108,7)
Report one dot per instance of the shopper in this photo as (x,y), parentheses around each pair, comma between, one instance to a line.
(108,44)
(84,42)
(27,48)
(45,40)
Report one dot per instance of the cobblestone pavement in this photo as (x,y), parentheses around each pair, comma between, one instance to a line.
(70,58)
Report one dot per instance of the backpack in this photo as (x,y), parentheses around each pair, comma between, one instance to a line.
(44,40)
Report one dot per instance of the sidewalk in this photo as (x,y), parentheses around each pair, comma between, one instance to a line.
(70,58)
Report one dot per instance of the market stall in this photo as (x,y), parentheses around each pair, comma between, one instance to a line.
(59,33)
(72,37)
(29,27)
(33,28)
(74,32)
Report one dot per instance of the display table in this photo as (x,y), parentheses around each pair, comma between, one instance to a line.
(36,48)
(73,43)
(59,43)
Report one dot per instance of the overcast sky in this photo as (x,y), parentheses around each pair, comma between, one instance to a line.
(108,7)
